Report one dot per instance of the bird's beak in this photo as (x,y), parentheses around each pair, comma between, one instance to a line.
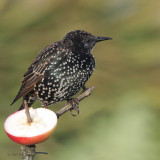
(99,39)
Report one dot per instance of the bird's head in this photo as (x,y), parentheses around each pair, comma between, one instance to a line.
(81,40)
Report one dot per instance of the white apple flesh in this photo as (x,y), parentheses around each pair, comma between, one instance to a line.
(41,128)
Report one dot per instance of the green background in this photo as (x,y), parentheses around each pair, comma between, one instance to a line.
(120,120)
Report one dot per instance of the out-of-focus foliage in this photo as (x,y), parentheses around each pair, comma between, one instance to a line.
(120,120)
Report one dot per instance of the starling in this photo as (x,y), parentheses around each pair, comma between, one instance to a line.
(60,70)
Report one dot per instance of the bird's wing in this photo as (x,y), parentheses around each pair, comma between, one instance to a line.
(36,71)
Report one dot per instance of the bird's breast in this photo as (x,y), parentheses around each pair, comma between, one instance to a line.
(64,77)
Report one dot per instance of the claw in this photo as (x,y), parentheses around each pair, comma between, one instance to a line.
(76,108)
(74,102)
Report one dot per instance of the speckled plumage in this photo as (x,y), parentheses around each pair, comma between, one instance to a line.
(60,70)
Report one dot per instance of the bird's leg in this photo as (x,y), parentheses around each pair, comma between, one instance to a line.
(27,112)
(75,105)
(44,104)
(84,88)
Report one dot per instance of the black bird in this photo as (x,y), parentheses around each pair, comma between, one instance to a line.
(60,70)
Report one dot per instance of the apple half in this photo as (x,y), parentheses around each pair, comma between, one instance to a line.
(41,128)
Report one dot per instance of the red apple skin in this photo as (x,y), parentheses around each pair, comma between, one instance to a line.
(30,140)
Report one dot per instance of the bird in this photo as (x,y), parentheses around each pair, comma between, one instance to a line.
(60,70)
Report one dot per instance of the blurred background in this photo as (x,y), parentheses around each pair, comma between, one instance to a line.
(121,119)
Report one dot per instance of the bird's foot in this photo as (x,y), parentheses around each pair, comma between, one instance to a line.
(75,106)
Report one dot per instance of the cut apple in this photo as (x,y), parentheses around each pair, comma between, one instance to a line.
(41,128)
